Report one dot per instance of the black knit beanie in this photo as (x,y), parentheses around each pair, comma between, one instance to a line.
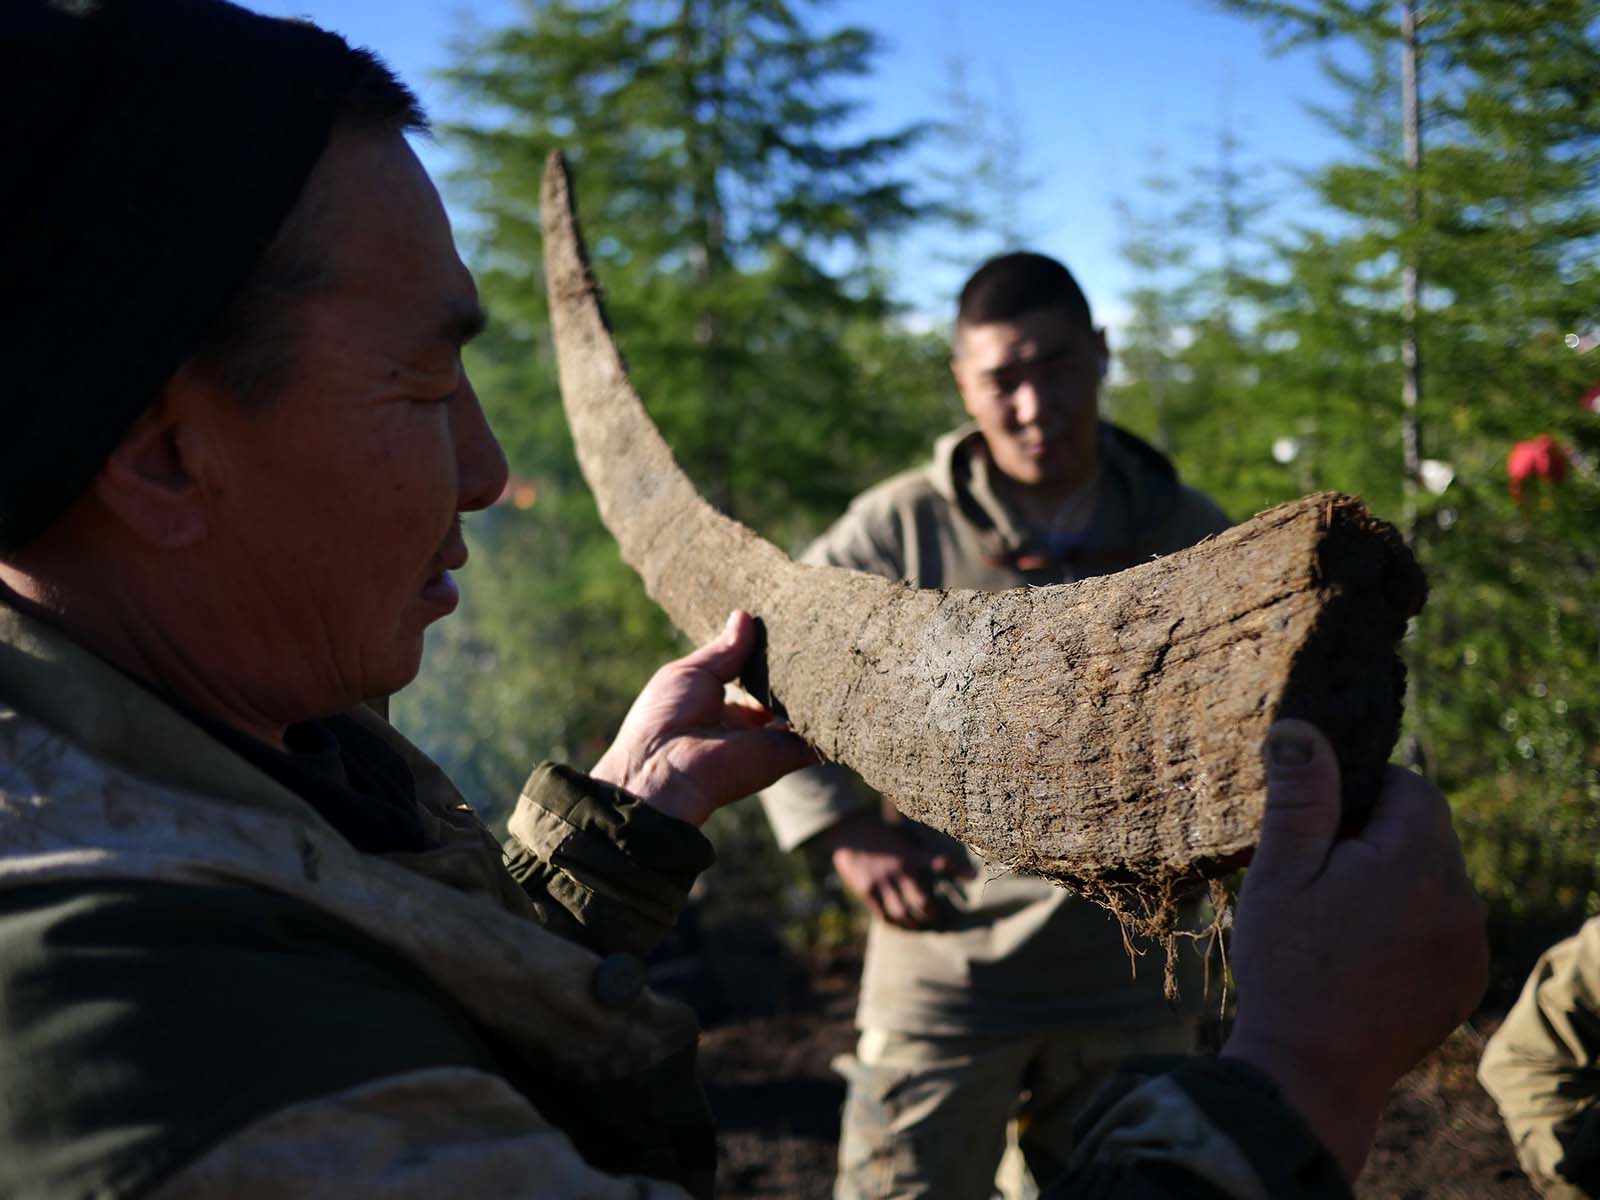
(151,150)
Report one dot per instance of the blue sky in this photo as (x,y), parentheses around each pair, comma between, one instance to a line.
(1094,87)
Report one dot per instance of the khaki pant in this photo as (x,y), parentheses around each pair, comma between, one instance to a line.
(927,1117)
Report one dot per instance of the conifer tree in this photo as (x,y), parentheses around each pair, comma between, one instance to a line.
(1501,226)
(1146,392)
(732,220)
(983,183)
(1189,375)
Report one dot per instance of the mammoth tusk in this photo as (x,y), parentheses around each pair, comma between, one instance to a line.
(1103,733)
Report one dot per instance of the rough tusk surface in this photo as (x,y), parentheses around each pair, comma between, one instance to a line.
(1105,734)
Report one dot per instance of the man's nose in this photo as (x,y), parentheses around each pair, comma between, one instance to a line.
(1027,402)
(481,470)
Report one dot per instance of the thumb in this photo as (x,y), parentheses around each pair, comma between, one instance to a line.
(725,653)
(1302,815)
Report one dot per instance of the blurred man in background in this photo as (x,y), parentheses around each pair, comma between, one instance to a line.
(982,989)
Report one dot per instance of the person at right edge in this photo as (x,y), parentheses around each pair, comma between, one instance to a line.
(1542,1066)
(987,994)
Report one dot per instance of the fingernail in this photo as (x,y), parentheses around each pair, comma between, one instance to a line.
(1285,749)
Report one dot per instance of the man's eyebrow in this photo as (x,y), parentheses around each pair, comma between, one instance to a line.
(1044,354)
(464,322)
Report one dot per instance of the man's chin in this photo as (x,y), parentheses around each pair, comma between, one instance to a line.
(1059,466)
(400,670)
(1023,468)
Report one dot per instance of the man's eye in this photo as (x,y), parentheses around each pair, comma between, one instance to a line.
(436,372)
(444,399)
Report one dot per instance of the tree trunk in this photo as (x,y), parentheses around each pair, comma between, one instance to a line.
(1104,733)
(1410,270)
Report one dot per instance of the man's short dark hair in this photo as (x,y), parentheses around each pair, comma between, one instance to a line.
(1006,287)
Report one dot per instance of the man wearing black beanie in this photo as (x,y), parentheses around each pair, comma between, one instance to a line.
(252,942)
(235,906)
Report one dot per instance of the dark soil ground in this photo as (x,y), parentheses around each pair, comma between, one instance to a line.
(777,1102)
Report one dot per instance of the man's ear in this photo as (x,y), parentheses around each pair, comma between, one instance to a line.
(154,482)
(1103,349)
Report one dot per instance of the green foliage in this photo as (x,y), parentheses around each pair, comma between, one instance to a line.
(1191,357)
(1160,259)
(1304,344)
(983,182)
(733,228)
(731,225)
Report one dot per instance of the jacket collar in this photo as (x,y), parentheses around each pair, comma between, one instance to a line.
(92,704)
(118,721)
(100,779)
(1138,492)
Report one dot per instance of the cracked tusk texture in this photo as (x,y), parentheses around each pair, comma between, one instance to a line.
(1105,734)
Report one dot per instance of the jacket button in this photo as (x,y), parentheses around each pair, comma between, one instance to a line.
(618,980)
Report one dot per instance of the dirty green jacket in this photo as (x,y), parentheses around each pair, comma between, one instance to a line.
(206,991)
(1020,954)
(1542,1067)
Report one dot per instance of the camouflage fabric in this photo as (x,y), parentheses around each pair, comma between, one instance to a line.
(205,991)
(270,978)
(1542,1067)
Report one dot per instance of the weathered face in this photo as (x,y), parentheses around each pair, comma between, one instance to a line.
(1032,384)
(339,498)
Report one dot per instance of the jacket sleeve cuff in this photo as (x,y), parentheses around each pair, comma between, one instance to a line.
(619,869)
(802,805)
(1196,1127)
